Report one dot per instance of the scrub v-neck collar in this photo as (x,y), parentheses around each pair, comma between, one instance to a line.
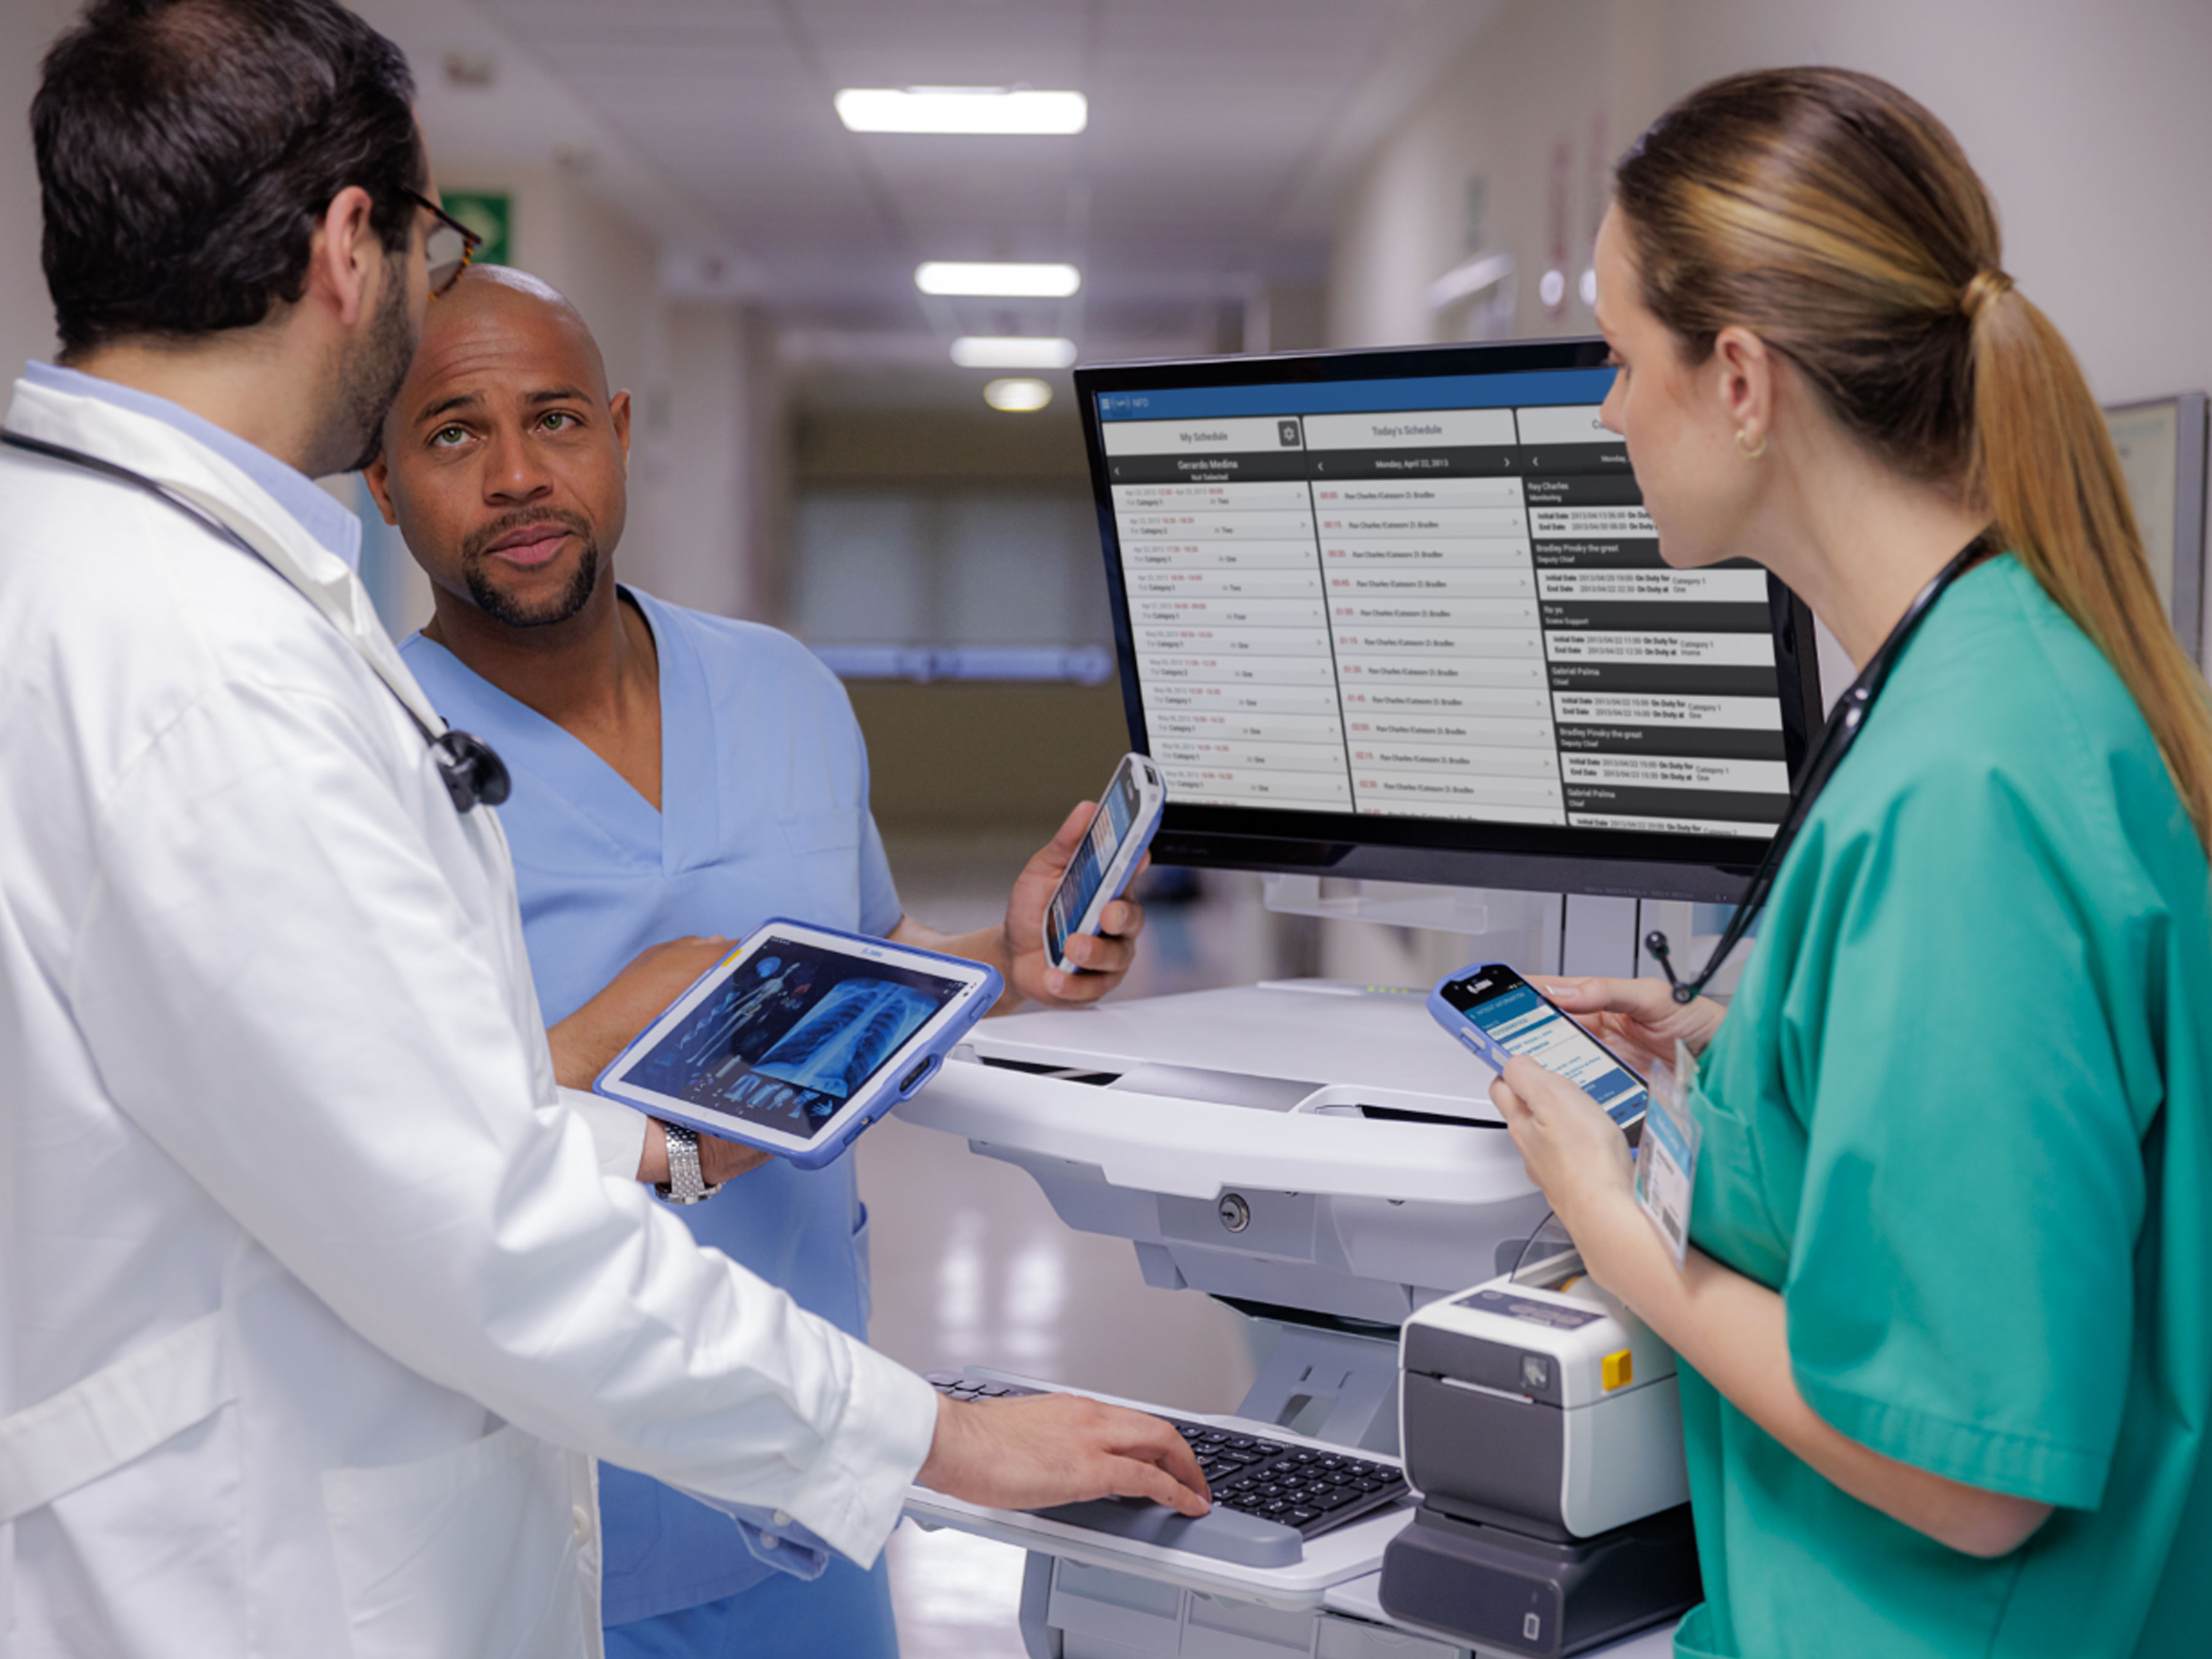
(686,830)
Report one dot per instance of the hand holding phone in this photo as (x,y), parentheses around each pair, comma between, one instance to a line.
(1499,1015)
(1129,816)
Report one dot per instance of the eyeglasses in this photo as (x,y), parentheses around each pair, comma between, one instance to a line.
(448,248)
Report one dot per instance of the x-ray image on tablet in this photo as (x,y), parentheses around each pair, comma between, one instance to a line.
(795,1029)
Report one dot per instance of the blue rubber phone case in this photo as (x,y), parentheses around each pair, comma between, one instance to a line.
(891,1084)
(1138,842)
(1486,1046)
(1494,1054)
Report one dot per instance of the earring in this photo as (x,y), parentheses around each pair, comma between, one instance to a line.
(1750,454)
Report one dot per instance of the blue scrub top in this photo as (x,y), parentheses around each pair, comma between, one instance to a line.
(764,812)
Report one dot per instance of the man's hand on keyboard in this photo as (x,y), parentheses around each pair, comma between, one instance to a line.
(1041,1450)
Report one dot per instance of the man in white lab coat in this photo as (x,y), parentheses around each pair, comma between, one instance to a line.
(314,1306)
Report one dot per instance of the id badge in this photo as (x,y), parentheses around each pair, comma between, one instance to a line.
(1667,1158)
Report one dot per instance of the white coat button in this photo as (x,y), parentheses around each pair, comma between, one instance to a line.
(782,1517)
(580,1519)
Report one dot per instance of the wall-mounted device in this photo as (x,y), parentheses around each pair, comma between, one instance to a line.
(2161,442)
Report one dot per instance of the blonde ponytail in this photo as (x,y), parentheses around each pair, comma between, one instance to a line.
(1839,221)
(2042,463)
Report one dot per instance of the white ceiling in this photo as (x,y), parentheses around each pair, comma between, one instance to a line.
(1221,133)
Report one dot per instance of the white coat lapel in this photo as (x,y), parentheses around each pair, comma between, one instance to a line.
(211,483)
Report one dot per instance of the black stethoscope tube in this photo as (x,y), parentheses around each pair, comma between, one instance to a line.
(473,770)
(1845,721)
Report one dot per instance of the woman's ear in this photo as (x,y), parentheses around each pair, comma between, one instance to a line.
(1743,369)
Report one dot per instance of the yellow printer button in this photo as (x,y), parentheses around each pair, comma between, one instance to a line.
(1616,1371)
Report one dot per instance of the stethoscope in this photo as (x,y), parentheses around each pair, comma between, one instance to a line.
(1845,721)
(473,772)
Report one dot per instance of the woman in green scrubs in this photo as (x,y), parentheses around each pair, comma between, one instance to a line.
(1946,1327)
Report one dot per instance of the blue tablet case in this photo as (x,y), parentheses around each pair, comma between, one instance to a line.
(885,1091)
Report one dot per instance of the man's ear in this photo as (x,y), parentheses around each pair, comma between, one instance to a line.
(618,411)
(377,474)
(346,259)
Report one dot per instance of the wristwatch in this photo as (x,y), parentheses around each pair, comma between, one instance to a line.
(685,1184)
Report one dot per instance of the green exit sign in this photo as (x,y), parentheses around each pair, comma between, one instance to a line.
(490,214)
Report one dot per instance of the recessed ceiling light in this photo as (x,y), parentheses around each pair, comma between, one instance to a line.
(962,109)
(1012,351)
(998,280)
(1017,396)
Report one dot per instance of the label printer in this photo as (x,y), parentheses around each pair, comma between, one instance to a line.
(1541,1427)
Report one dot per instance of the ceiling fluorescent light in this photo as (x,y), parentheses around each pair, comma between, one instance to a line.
(1017,396)
(1012,351)
(1462,282)
(962,109)
(997,280)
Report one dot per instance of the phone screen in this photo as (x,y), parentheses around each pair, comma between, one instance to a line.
(1508,1011)
(1110,826)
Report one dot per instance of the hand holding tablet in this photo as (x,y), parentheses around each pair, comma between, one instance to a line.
(800,1038)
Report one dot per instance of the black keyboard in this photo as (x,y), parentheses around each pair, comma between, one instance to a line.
(1269,1495)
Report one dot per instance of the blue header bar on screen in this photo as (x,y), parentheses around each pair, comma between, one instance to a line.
(1551,386)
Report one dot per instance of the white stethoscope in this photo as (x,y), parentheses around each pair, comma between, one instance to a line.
(473,772)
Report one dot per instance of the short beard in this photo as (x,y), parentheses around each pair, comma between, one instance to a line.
(372,374)
(503,607)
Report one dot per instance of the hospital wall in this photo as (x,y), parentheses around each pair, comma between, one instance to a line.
(960,758)
(2089,122)
(26,316)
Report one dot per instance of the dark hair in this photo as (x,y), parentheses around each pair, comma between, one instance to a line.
(1839,221)
(187,149)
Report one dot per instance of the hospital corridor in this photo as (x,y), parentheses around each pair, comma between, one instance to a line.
(1105,829)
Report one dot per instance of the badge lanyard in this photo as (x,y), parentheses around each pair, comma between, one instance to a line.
(471,770)
(1845,721)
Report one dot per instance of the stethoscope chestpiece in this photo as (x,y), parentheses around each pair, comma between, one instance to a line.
(1654,945)
(472,770)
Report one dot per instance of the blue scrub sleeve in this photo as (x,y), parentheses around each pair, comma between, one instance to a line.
(1959,1292)
(791,1549)
(880,909)
(776,1540)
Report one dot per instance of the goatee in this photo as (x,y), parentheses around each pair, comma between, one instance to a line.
(502,606)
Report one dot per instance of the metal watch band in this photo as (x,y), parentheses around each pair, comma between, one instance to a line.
(685,1183)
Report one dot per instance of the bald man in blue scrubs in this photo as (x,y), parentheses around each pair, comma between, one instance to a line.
(674,775)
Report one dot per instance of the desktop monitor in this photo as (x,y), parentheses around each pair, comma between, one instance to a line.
(1400,615)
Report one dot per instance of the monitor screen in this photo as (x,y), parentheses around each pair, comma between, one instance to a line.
(1401,614)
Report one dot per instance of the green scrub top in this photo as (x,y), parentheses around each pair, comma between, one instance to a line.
(1957,1116)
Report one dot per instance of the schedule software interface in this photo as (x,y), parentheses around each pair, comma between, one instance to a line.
(1434,597)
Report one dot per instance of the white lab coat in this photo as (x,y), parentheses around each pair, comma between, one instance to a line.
(315,1303)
